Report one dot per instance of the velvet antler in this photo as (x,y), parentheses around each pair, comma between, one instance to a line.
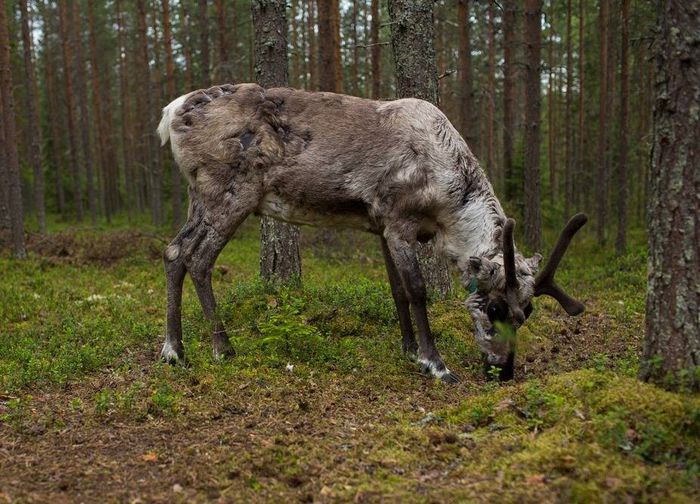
(509,266)
(545,284)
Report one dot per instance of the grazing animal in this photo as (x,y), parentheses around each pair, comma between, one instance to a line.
(397,169)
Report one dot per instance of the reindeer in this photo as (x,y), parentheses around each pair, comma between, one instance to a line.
(397,169)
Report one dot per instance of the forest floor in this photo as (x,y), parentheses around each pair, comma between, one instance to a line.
(89,414)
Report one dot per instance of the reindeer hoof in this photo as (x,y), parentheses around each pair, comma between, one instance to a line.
(450,378)
(438,370)
(224,352)
(170,354)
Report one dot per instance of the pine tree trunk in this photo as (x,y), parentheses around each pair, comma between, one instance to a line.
(622,189)
(672,342)
(14,192)
(81,89)
(224,72)
(127,146)
(185,27)
(203,18)
(466,78)
(580,170)
(294,44)
(313,51)
(533,45)
(354,68)
(280,261)
(568,147)
(416,76)
(509,12)
(4,176)
(170,90)
(602,172)
(551,148)
(491,169)
(67,53)
(376,52)
(33,119)
(329,46)
(53,106)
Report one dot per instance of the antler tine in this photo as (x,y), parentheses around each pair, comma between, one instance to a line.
(545,284)
(509,267)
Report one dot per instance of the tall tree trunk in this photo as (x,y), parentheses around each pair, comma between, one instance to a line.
(53,106)
(224,70)
(81,89)
(568,146)
(354,68)
(14,193)
(466,78)
(376,52)
(185,28)
(67,53)
(157,87)
(533,45)
(130,179)
(672,342)
(170,90)
(33,119)
(622,189)
(313,46)
(509,12)
(203,18)
(491,98)
(416,76)
(602,173)
(280,261)
(109,180)
(329,46)
(580,171)
(294,43)
(551,148)
(4,175)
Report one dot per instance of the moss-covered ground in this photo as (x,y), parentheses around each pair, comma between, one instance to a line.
(319,404)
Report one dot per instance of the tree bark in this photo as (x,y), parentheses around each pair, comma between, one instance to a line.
(533,45)
(568,146)
(203,18)
(224,69)
(602,171)
(127,147)
(330,77)
(412,35)
(466,78)
(14,193)
(509,12)
(354,67)
(170,90)
(672,341)
(4,176)
(280,261)
(551,147)
(33,120)
(376,52)
(577,196)
(622,189)
(81,89)
(313,46)
(67,53)
(491,98)
(53,106)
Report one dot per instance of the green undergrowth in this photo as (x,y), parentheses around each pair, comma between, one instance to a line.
(577,425)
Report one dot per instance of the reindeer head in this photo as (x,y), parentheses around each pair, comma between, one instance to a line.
(501,291)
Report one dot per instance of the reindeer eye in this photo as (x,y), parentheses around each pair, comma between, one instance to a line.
(528,310)
(497,310)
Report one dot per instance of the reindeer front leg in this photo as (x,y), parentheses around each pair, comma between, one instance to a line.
(410,346)
(406,261)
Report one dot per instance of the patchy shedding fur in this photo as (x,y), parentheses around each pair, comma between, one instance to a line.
(397,169)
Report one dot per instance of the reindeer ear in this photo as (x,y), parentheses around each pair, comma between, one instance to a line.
(534,263)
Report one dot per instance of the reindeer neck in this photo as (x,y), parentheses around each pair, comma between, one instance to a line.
(474,229)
